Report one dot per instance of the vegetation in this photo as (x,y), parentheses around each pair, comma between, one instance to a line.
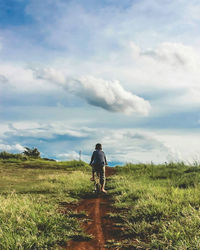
(33,196)
(31,152)
(159,205)
(5,155)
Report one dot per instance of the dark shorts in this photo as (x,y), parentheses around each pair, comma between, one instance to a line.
(100,170)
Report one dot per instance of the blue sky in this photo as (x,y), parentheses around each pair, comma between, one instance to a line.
(123,73)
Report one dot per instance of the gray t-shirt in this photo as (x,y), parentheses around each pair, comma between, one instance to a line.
(98,158)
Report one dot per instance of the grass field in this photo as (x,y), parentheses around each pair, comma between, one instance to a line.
(159,206)
(32,194)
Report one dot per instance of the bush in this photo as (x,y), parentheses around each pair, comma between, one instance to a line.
(5,155)
(31,152)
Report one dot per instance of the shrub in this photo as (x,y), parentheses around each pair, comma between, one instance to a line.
(31,152)
(5,155)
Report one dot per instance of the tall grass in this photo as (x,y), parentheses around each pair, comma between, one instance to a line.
(31,199)
(160,205)
(29,223)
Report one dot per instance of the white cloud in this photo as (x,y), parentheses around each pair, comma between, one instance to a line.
(169,73)
(137,145)
(44,130)
(109,95)
(71,155)
(18,79)
(175,54)
(128,145)
(60,141)
(16,147)
(144,72)
(182,145)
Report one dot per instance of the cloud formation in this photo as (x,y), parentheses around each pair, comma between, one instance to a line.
(13,148)
(109,95)
(44,131)
(59,141)
(89,41)
(171,70)
(63,142)
(175,54)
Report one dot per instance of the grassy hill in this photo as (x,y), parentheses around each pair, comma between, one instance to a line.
(157,206)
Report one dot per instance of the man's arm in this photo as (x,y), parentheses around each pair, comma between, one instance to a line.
(105,159)
(92,158)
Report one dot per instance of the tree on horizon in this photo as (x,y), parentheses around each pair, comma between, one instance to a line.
(31,152)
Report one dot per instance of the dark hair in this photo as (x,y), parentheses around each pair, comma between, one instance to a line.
(98,146)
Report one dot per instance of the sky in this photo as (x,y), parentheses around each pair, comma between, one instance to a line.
(124,73)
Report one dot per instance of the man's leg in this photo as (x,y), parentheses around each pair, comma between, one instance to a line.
(93,170)
(102,179)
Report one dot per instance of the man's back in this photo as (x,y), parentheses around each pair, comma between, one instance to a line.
(99,158)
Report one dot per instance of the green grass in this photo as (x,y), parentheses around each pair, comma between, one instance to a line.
(33,198)
(159,205)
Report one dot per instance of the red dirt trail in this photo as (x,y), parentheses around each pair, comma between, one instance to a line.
(98,225)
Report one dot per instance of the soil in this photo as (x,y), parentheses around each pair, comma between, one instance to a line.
(99,225)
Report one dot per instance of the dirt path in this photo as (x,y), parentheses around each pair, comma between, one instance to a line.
(99,225)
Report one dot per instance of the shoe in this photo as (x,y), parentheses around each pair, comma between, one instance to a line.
(91,179)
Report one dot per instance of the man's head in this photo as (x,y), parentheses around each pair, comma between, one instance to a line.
(98,146)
